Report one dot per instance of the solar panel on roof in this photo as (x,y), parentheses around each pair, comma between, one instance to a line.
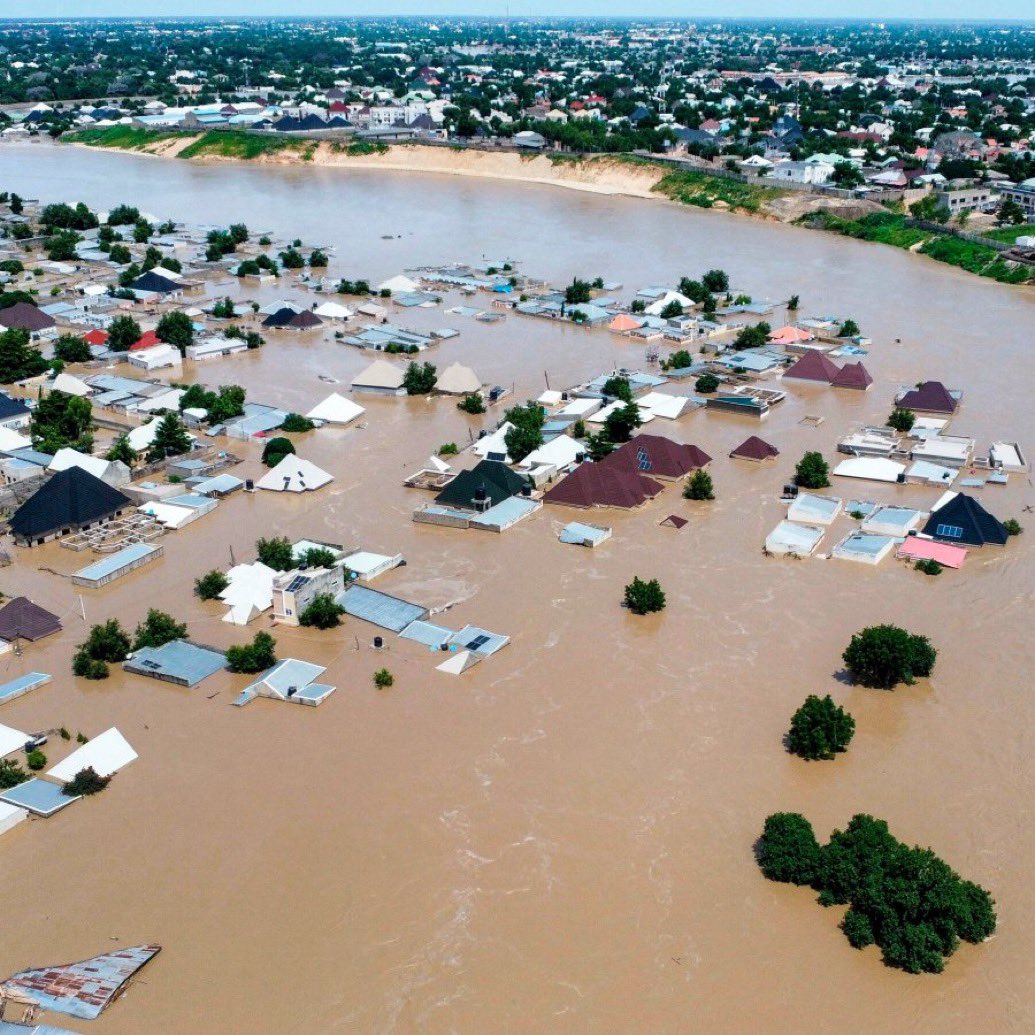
(296,583)
(478,641)
(643,461)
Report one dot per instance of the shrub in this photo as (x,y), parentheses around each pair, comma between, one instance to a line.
(86,782)
(789,851)
(322,612)
(70,348)
(87,667)
(108,641)
(1012,526)
(618,388)
(644,597)
(211,584)
(901,420)
(11,774)
(448,449)
(383,679)
(621,423)
(928,567)
(812,472)
(706,384)
(699,487)
(882,656)
(35,760)
(820,729)
(848,329)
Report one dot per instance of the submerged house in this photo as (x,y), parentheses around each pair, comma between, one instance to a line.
(658,457)
(487,483)
(601,485)
(929,397)
(380,378)
(755,449)
(964,522)
(72,501)
(294,474)
(813,366)
(21,619)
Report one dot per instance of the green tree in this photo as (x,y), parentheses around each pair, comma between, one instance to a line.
(60,420)
(276,449)
(793,302)
(789,851)
(882,656)
(317,259)
(848,329)
(123,215)
(472,404)
(86,782)
(292,259)
(176,328)
(672,310)
(901,420)
(122,451)
(19,359)
(679,360)
(706,384)
(644,597)
(171,439)
(1010,213)
(419,379)
(699,486)
(123,332)
(296,423)
(35,760)
(383,679)
(11,774)
(211,584)
(322,612)
(820,729)
(70,348)
(846,176)
(621,423)
(578,292)
(256,656)
(618,388)
(1012,526)
(812,472)
(119,254)
(716,282)
(754,337)
(157,629)
(527,431)
(276,553)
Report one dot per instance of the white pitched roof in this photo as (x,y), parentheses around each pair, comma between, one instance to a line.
(294,474)
(336,409)
(334,311)
(68,457)
(559,452)
(11,740)
(105,754)
(380,374)
(70,385)
(494,443)
(250,591)
(458,380)
(11,439)
(399,285)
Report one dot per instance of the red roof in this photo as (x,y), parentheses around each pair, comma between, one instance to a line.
(658,457)
(813,366)
(147,340)
(601,485)
(755,448)
(853,375)
(96,337)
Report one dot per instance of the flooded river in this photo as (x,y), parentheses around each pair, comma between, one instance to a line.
(561,839)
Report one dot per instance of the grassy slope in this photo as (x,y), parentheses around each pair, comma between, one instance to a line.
(127,138)
(889,228)
(230,144)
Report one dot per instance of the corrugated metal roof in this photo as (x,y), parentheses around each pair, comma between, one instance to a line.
(380,609)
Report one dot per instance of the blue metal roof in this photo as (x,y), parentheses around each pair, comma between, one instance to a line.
(112,563)
(22,685)
(428,633)
(380,609)
(179,661)
(39,796)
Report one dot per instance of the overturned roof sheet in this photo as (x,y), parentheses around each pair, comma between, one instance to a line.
(83,989)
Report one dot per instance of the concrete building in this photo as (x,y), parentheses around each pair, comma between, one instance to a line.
(293,591)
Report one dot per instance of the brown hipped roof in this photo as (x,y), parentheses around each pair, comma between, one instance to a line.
(754,448)
(22,619)
(813,366)
(658,457)
(930,397)
(853,375)
(25,317)
(600,485)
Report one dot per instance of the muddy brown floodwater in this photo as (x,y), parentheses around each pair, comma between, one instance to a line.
(561,839)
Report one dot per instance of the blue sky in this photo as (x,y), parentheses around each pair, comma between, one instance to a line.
(918,10)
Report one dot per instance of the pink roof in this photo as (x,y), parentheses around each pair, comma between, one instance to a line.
(625,322)
(929,550)
(789,334)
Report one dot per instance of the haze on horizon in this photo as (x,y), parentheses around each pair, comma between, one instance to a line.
(967,10)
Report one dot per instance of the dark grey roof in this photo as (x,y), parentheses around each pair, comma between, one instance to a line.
(10,408)
(25,317)
(71,499)
(498,481)
(151,281)
(22,619)
(964,522)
